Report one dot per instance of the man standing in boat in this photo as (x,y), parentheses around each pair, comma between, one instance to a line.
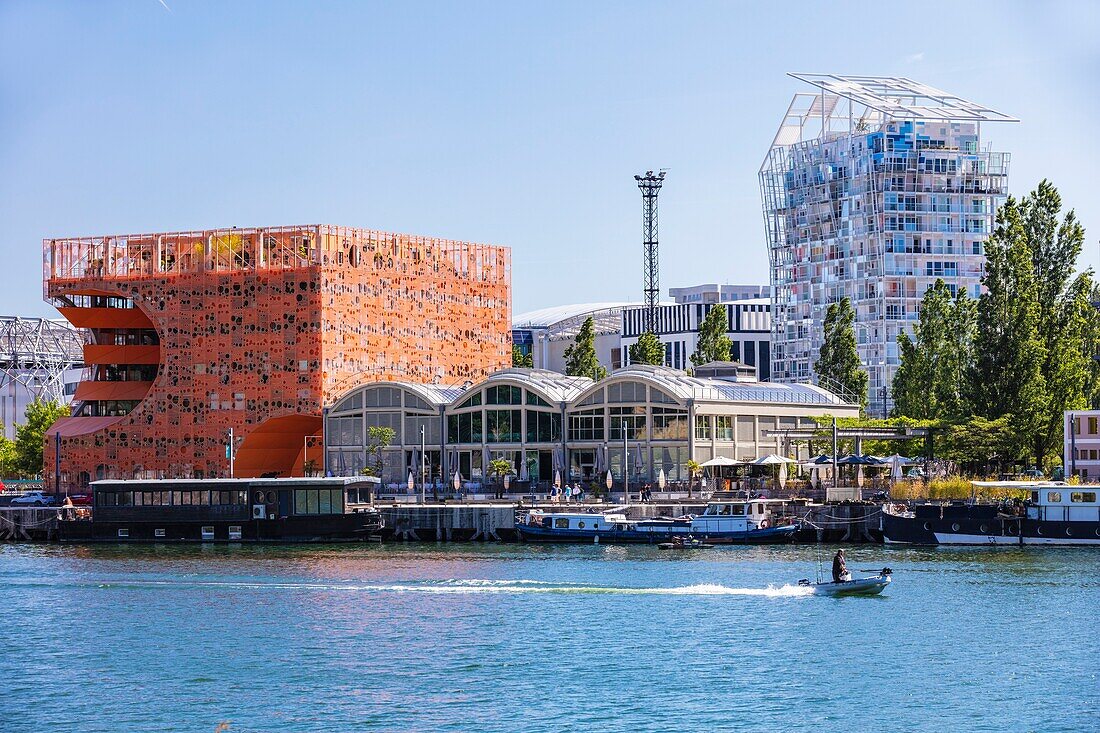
(840,568)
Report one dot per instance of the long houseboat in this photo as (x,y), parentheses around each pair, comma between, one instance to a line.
(1054,514)
(227,510)
(725,522)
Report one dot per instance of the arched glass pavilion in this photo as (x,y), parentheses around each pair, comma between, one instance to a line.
(545,424)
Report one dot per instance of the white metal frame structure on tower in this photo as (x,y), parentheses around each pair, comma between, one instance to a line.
(873,188)
(35,356)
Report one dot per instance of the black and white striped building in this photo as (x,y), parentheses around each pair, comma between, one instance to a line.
(678,329)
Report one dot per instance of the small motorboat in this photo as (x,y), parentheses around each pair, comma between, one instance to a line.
(869,586)
(689,543)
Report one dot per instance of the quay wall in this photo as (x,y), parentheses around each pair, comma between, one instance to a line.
(494,521)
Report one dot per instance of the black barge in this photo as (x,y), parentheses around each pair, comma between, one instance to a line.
(226,510)
(1053,514)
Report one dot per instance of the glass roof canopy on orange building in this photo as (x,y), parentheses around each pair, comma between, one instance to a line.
(129,256)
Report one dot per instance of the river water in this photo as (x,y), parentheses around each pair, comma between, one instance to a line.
(527,638)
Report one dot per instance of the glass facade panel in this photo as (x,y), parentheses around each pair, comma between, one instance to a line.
(586,425)
(634,418)
(543,427)
(503,394)
(669,424)
(503,426)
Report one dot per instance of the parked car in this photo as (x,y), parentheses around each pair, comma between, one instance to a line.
(81,499)
(915,473)
(1032,474)
(34,498)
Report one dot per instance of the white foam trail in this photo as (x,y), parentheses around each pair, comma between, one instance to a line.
(482,586)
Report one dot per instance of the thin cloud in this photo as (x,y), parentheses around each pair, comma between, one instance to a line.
(165,5)
(915,58)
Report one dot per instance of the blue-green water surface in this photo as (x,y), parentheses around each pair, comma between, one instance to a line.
(522,638)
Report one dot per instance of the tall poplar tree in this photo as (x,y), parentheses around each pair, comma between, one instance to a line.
(930,382)
(1064,308)
(580,358)
(838,361)
(1008,378)
(713,343)
(648,349)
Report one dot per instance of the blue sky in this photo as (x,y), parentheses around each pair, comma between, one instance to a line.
(515,123)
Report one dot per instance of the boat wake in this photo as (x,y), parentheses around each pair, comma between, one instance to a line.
(482,586)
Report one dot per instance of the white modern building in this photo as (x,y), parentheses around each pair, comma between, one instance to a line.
(873,188)
(678,328)
(38,358)
(1081,452)
(641,420)
(545,334)
(715,293)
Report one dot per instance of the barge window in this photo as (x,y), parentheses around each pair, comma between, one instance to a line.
(1079,497)
(318,501)
(739,510)
(561,524)
(1054,497)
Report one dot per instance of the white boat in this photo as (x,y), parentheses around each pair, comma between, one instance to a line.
(723,522)
(869,586)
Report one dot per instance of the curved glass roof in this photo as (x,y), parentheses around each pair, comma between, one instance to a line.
(684,387)
(553,386)
(547,317)
(431,393)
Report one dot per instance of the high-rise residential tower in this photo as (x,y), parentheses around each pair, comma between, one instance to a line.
(873,188)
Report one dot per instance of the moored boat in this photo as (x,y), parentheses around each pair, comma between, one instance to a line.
(725,522)
(1055,513)
(227,510)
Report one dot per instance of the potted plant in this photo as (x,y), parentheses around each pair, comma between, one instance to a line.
(694,470)
(500,468)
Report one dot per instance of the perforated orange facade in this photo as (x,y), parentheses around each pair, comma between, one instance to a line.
(256,330)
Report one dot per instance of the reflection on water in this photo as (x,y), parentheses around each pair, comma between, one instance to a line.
(514,637)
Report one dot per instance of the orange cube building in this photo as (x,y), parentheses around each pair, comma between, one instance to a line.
(256,330)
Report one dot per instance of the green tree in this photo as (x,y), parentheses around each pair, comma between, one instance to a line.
(930,382)
(838,363)
(378,439)
(519,359)
(9,458)
(1037,330)
(713,343)
(1064,308)
(647,350)
(580,358)
(1009,353)
(30,436)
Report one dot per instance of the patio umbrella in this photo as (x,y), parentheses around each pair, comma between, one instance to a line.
(782,475)
(661,480)
(773,460)
(524,474)
(557,478)
(721,461)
